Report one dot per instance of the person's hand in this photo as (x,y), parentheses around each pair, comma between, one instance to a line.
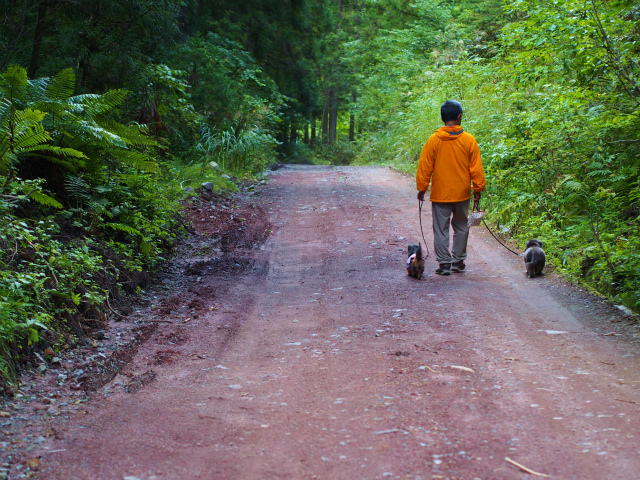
(421,195)
(476,196)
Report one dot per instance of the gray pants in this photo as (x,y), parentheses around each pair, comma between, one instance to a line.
(456,215)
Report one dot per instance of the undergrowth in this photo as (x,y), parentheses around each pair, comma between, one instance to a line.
(86,206)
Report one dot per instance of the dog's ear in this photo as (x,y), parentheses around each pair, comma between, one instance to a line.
(534,242)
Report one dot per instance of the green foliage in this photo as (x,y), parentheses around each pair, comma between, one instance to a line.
(74,184)
(555,109)
(235,101)
(249,150)
(109,43)
(337,153)
(226,84)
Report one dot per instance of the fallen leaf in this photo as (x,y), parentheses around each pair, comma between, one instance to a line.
(464,369)
(33,463)
(4,414)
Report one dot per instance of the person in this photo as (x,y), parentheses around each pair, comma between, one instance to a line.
(450,161)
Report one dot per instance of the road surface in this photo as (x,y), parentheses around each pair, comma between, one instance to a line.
(313,355)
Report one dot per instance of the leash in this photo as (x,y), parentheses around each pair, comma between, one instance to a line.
(483,221)
(477,216)
(497,240)
(422,231)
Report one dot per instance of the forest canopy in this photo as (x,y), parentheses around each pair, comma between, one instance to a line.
(109,110)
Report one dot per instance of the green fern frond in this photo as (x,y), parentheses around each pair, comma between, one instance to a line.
(31,140)
(28,117)
(6,110)
(125,228)
(62,85)
(77,188)
(94,105)
(96,206)
(599,173)
(61,153)
(572,184)
(87,133)
(137,160)
(145,248)
(44,199)
(66,152)
(36,89)
(61,110)
(6,160)
(132,134)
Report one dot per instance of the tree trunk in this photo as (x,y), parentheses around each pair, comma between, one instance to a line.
(294,134)
(306,133)
(333,117)
(37,41)
(325,117)
(313,130)
(352,120)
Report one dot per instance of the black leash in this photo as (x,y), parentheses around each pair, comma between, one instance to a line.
(422,231)
(497,240)
(485,224)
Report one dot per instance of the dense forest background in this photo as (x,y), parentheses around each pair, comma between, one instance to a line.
(109,110)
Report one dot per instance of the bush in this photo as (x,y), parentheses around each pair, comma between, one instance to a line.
(83,202)
(338,153)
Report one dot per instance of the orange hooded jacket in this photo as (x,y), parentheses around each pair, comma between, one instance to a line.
(452,156)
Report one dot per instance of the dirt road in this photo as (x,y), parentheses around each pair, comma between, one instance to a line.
(315,356)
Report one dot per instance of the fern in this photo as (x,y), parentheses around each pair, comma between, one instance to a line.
(93,105)
(44,199)
(61,86)
(572,184)
(137,160)
(77,188)
(5,112)
(130,134)
(125,228)
(36,89)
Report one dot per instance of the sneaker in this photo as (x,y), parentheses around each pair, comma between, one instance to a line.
(445,269)
(458,266)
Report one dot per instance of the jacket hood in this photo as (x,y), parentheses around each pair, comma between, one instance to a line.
(449,133)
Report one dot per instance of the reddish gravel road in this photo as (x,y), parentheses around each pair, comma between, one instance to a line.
(322,359)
